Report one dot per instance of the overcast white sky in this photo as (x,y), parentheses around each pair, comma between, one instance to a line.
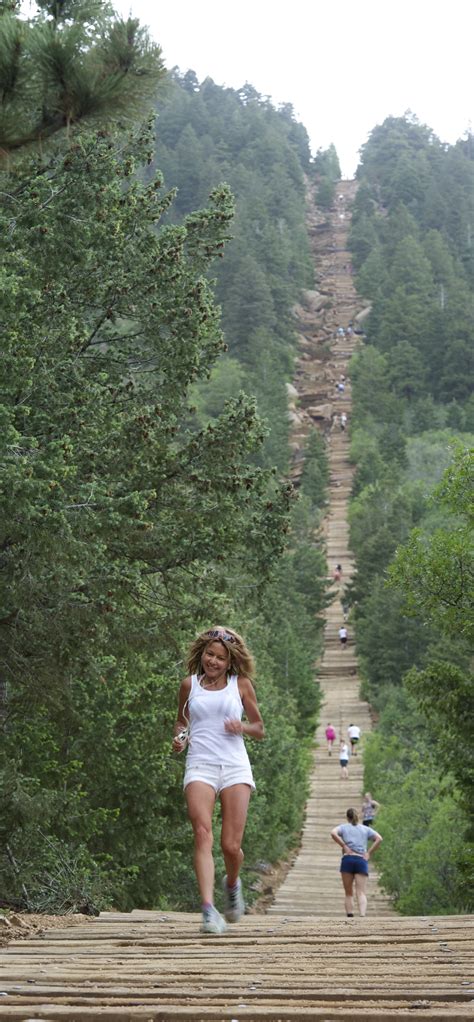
(344,65)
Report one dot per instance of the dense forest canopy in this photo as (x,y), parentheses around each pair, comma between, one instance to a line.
(206,134)
(413,248)
(411,514)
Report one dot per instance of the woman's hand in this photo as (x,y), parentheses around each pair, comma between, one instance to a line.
(234,727)
(350,851)
(178,744)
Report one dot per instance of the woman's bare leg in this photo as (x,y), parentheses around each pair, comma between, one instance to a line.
(235,803)
(201,799)
(348,883)
(361,888)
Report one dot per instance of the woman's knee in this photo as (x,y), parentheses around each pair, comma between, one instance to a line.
(203,837)
(230,845)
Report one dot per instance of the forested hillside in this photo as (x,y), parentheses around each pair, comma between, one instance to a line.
(142,495)
(206,133)
(411,515)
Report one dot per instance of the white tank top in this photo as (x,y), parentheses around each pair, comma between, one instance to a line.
(207,711)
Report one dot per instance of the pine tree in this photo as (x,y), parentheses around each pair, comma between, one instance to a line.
(326,163)
(372,279)
(405,311)
(74,61)
(405,370)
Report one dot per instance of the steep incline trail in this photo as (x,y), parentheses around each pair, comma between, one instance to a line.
(313,886)
(303,959)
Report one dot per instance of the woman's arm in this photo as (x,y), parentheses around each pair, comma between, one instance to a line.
(342,844)
(181,720)
(376,842)
(253,726)
(336,837)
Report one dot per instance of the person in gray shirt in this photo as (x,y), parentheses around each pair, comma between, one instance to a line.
(354,838)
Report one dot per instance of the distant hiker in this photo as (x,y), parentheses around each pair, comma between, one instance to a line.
(344,759)
(330,737)
(353,838)
(343,635)
(337,573)
(341,387)
(349,330)
(343,421)
(370,806)
(354,735)
(213,699)
(341,331)
(345,610)
(339,568)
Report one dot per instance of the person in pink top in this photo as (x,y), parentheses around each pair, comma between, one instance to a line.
(213,701)
(330,737)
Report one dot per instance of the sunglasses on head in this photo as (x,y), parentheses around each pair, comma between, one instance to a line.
(214,633)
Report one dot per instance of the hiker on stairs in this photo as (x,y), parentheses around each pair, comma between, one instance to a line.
(354,733)
(344,759)
(330,737)
(353,838)
(342,635)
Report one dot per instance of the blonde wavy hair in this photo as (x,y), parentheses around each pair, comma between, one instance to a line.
(240,658)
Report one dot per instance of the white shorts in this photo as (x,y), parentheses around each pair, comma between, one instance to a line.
(218,775)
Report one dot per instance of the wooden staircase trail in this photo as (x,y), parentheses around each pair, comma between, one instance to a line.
(313,886)
(302,959)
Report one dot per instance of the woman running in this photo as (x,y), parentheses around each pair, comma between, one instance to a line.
(213,699)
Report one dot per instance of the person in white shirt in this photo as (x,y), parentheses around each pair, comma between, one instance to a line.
(217,708)
(354,735)
(343,635)
(344,759)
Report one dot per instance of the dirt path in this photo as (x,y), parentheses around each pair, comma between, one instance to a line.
(303,959)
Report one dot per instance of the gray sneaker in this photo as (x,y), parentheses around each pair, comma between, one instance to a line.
(234,904)
(212,921)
